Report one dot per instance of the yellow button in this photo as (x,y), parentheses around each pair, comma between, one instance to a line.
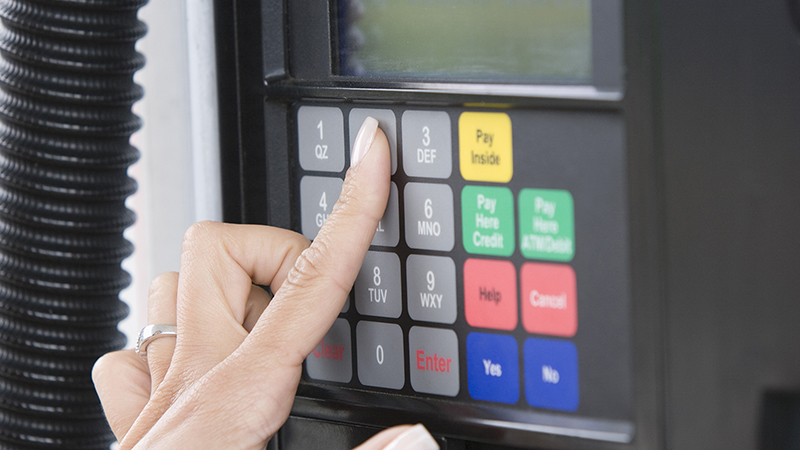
(484,141)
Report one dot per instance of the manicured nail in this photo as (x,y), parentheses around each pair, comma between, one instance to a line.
(415,438)
(363,140)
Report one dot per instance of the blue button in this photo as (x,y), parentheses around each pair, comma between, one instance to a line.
(493,367)
(551,374)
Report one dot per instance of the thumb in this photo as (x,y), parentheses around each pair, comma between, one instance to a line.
(401,437)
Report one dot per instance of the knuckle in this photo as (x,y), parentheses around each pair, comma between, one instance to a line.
(99,368)
(163,282)
(306,268)
(298,242)
(104,365)
(310,267)
(201,233)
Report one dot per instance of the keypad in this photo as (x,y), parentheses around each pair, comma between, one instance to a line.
(467,291)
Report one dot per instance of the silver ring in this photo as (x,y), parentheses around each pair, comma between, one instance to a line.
(149,334)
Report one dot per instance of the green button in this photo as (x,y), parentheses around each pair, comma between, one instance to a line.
(546,224)
(487,218)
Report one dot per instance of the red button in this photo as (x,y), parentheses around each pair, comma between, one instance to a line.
(549,299)
(490,294)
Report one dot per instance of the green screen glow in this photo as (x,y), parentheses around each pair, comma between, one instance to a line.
(469,39)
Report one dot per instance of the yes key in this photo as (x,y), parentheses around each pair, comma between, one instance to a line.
(493,367)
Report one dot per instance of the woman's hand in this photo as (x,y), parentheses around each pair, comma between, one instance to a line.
(229,379)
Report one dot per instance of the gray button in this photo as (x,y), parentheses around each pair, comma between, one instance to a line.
(317,197)
(377,286)
(320,138)
(426,144)
(433,359)
(387,122)
(388,232)
(380,351)
(429,216)
(331,358)
(346,306)
(431,282)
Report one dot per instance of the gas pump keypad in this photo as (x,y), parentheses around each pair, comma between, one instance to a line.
(468,288)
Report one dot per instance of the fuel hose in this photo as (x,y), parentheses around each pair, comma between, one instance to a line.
(66,91)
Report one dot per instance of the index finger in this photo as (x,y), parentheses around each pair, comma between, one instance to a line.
(312,296)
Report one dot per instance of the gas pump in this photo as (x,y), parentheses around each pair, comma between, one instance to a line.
(556,264)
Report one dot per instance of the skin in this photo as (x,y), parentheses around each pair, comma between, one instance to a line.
(230,377)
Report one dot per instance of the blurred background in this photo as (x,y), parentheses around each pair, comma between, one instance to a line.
(171,196)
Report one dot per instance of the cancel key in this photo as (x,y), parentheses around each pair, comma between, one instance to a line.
(433,359)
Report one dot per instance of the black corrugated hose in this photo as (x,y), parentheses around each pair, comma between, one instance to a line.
(66,91)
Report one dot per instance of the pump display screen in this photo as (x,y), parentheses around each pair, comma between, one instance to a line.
(508,40)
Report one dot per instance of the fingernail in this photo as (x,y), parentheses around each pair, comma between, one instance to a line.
(415,438)
(363,140)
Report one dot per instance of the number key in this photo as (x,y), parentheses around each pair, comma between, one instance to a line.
(386,121)
(377,286)
(431,287)
(427,149)
(317,197)
(380,354)
(429,216)
(320,138)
